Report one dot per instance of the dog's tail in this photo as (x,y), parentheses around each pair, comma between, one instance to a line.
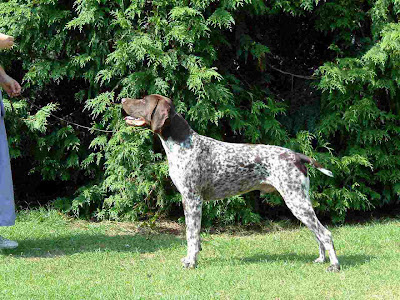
(309,160)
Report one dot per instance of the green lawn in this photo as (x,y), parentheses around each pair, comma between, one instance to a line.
(59,258)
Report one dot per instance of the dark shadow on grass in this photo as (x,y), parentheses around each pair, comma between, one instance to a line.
(80,243)
(346,261)
(262,258)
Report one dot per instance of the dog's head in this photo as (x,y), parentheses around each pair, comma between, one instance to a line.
(152,110)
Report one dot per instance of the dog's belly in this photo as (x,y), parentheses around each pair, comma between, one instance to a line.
(236,180)
(225,190)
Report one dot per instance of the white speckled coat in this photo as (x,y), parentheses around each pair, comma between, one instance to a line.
(7,208)
(206,169)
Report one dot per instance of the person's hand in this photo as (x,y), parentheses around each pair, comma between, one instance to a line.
(6,41)
(10,85)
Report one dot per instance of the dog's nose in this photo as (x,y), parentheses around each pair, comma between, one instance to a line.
(123,100)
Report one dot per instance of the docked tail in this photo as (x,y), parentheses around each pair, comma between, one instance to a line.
(309,160)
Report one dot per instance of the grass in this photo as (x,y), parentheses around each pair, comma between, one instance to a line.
(60,258)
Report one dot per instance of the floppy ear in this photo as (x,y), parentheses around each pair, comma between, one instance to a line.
(161,113)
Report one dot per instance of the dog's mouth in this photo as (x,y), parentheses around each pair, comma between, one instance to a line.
(131,121)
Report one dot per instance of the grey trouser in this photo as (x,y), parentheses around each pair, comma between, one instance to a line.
(7,207)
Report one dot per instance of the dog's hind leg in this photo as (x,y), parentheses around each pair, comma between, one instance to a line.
(322,256)
(298,201)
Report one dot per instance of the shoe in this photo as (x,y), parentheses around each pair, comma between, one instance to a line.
(7,244)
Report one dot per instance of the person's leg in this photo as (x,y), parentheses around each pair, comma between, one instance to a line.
(7,207)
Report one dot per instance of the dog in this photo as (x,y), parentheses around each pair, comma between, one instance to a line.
(205,169)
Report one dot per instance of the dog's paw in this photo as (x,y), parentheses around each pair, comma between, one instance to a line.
(334,268)
(319,260)
(188,263)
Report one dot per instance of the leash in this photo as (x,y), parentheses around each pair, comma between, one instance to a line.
(73,123)
(64,120)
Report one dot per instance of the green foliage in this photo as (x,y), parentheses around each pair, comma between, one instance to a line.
(361,107)
(79,58)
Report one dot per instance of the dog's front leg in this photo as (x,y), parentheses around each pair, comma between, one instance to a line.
(192,205)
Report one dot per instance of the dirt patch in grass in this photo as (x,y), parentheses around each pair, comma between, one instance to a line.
(145,228)
(164,226)
(38,256)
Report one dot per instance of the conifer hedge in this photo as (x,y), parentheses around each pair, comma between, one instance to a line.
(319,77)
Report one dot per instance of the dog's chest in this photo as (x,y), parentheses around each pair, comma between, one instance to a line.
(183,161)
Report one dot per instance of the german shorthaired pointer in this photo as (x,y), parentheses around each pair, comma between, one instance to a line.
(206,169)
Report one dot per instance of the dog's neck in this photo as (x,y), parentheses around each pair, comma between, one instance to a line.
(176,134)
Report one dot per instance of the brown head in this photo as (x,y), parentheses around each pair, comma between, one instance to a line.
(152,110)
